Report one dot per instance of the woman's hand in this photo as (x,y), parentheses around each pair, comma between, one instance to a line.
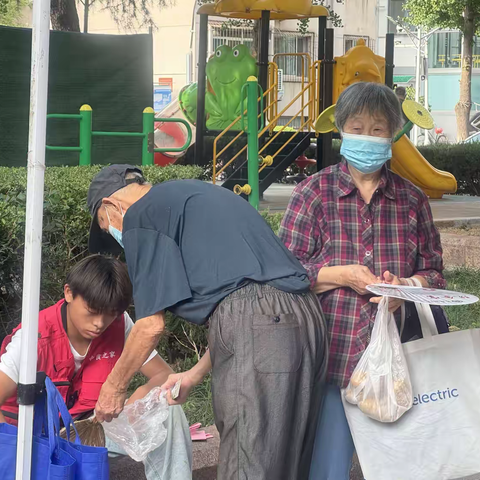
(393,303)
(357,277)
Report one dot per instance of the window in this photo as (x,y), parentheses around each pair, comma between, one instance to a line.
(445,50)
(350,41)
(395,11)
(289,42)
(231,36)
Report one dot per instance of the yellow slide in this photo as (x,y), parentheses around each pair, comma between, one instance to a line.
(409,163)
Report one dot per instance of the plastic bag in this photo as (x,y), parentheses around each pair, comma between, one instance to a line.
(140,428)
(380,384)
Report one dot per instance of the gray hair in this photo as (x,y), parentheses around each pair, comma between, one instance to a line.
(371,98)
(130,175)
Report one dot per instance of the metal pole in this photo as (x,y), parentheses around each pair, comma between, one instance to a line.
(85,16)
(148,144)
(86,135)
(33,234)
(417,79)
(188,69)
(425,93)
(252,135)
(322,26)
(202,85)
(327,81)
(262,60)
(389,59)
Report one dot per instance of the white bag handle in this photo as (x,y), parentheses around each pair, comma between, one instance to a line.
(425,315)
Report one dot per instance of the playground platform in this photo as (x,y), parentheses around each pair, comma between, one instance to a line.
(451,210)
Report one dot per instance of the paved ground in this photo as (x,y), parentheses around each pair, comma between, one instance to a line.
(205,457)
(454,209)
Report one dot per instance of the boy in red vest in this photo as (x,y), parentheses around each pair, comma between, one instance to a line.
(79,341)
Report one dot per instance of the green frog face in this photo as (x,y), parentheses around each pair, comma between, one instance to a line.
(228,69)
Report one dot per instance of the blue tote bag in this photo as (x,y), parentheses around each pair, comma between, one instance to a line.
(49,461)
(91,462)
(52,457)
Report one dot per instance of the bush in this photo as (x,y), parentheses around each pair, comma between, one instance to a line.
(66,223)
(461,159)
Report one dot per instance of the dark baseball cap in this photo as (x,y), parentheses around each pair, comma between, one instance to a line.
(106,183)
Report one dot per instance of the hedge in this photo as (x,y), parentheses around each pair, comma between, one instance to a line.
(65,234)
(462,160)
(65,229)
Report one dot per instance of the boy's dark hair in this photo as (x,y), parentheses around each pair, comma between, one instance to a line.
(401,91)
(103,283)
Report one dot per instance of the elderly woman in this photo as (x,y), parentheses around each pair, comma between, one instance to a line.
(351,225)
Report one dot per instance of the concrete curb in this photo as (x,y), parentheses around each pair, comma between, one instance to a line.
(460,250)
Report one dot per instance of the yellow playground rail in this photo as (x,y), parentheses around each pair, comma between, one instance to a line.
(270,110)
(308,95)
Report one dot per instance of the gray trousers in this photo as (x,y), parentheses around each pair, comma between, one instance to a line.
(269,357)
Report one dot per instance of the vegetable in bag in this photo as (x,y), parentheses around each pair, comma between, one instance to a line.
(380,384)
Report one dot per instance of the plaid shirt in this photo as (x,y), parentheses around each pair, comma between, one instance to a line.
(327,223)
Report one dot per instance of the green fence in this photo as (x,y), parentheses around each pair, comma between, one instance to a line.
(86,135)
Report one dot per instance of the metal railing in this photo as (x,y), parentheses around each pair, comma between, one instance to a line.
(309,95)
(147,135)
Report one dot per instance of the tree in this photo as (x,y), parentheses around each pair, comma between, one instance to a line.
(463,15)
(332,16)
(129,14)
(11,12)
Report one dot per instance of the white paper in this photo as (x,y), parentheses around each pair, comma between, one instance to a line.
(430,296)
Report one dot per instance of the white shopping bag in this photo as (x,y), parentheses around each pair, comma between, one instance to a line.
(439,437)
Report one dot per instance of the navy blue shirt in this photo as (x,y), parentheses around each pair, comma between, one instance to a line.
(189,244)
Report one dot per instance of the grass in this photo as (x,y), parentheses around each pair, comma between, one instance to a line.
(466,281)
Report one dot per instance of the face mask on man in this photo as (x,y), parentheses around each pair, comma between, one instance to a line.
(114,232)
(365,153)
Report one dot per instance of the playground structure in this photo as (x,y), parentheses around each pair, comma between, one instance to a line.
(321,82)
(215,107)
(85,116)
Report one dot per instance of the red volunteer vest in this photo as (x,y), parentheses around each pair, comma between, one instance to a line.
(55,358)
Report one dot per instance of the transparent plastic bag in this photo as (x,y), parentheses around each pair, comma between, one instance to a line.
(140,428)
(380,384)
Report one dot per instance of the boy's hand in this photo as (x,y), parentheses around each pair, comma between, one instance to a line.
(188,382)
(2,418)
(110,402)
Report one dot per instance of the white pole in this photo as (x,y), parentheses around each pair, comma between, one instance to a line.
(425,62)
(33,226)
(417,79)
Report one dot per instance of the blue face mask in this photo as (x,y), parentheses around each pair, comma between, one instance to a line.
(365,153)
(115,232)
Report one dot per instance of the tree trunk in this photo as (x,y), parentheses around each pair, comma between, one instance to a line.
(64,16)
(464,105)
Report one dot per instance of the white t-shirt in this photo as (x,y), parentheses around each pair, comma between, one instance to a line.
(10,360)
